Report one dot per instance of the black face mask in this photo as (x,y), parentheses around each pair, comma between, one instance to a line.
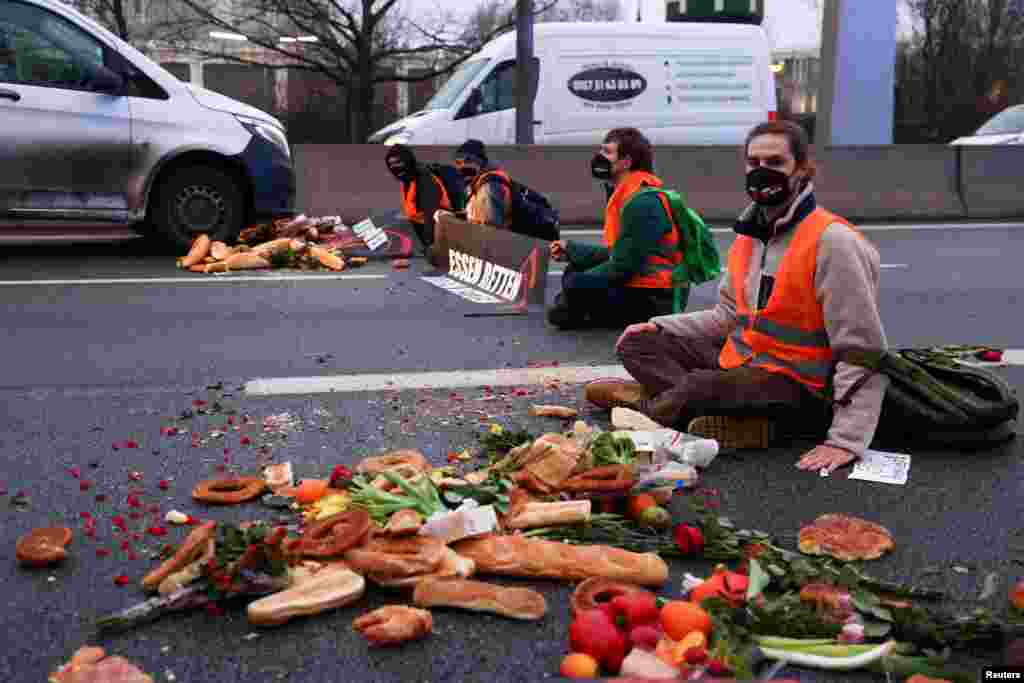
(768,187)
(601,167)
(468,172)
(401,170)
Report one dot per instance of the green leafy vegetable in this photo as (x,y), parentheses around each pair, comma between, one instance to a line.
(421,496)
(609,450)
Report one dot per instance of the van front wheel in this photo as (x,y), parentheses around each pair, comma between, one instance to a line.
(194,200)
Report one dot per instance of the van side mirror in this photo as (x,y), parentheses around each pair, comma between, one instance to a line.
(101,79)
(472,105)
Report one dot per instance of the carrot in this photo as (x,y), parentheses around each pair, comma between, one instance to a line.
(200,250)
(218,267)
(327,259)
(250,261)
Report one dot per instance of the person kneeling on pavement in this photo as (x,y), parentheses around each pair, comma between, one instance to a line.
(424,191)
(631,278)
(801,288)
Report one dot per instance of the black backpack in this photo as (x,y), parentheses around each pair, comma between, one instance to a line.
(532,213)
(453,182)
(934,399)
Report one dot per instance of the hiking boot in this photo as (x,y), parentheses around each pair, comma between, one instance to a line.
(732,432)
(614,393)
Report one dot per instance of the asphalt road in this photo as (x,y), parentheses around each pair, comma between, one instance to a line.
(86,366)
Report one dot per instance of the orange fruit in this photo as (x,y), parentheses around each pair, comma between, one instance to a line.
(1017,595)
(579,665)
(639,503)
(680,618)
(695,639)
(310,491)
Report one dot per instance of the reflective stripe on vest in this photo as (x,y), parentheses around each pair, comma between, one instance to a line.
(656,272)
(473,213)
(788,335)
(413,212)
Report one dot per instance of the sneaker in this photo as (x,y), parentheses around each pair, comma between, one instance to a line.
(612,393)
(734,433)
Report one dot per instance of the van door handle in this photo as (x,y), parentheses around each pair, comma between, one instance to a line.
(9,95)
(537,123)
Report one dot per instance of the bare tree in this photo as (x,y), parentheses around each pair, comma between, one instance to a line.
(962,65)
(137,21)
(584,10)
(355,43)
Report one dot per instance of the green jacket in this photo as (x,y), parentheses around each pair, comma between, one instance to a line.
(644,223)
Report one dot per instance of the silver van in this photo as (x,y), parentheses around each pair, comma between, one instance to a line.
(92,132)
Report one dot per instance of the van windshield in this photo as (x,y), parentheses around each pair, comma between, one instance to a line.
(1007,121)
(445,97)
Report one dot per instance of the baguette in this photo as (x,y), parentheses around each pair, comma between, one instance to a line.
(200,249)
(548,514)
(248,261)
(453,566)
(532,557)
(331,587)
(327,259)
(553,411)
(268,249)
(220,251)
(477,596)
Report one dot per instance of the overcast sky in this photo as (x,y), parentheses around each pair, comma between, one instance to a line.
(792,24)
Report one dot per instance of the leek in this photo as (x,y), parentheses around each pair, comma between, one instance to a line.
(815,661)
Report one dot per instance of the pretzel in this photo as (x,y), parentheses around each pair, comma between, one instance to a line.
(334,535)
(607,478)
(377,463)
(229,491)
(397,557)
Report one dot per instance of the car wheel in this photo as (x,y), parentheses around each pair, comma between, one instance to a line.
(195,200)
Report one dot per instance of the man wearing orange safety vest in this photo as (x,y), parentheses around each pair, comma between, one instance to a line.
(801,288)
(424,190)
(630,278)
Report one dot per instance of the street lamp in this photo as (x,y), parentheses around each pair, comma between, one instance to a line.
(222,35)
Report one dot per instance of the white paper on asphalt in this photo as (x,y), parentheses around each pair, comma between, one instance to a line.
(882,467)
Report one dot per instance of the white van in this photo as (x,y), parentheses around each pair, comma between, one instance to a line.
(679,83)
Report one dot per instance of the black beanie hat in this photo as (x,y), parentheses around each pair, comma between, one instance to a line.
(402,153)
(473,149)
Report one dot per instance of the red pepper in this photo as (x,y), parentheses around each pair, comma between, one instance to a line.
(594,633)
(689,539)
(636,609)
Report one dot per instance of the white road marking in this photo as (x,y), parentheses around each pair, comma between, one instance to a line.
(214,279)
(504,377)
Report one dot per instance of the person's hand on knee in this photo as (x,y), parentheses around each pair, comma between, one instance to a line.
(635,329)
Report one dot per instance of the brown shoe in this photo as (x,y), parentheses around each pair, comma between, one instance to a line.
(611,393)
(733,433)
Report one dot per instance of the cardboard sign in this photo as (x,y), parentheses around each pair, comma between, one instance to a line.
(373,236)
(497,266)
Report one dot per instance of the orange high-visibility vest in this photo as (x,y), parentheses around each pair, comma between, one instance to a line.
(788,335)
(473,212)
(413,212)
(657,270)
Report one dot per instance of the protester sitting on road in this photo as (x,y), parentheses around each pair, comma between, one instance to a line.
(801,289)
(425,189)
(490,194)
(630,278)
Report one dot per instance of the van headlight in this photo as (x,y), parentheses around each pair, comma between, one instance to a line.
(399,137)
(268,132)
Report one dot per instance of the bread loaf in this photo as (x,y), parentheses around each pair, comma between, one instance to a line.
(549,514)
(516,603)
(453,566)
(331,587)
(532,557)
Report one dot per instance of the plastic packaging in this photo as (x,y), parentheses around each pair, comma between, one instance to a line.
(685,448)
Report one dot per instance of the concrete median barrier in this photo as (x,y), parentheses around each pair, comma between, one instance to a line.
(881,183)
(992,181)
